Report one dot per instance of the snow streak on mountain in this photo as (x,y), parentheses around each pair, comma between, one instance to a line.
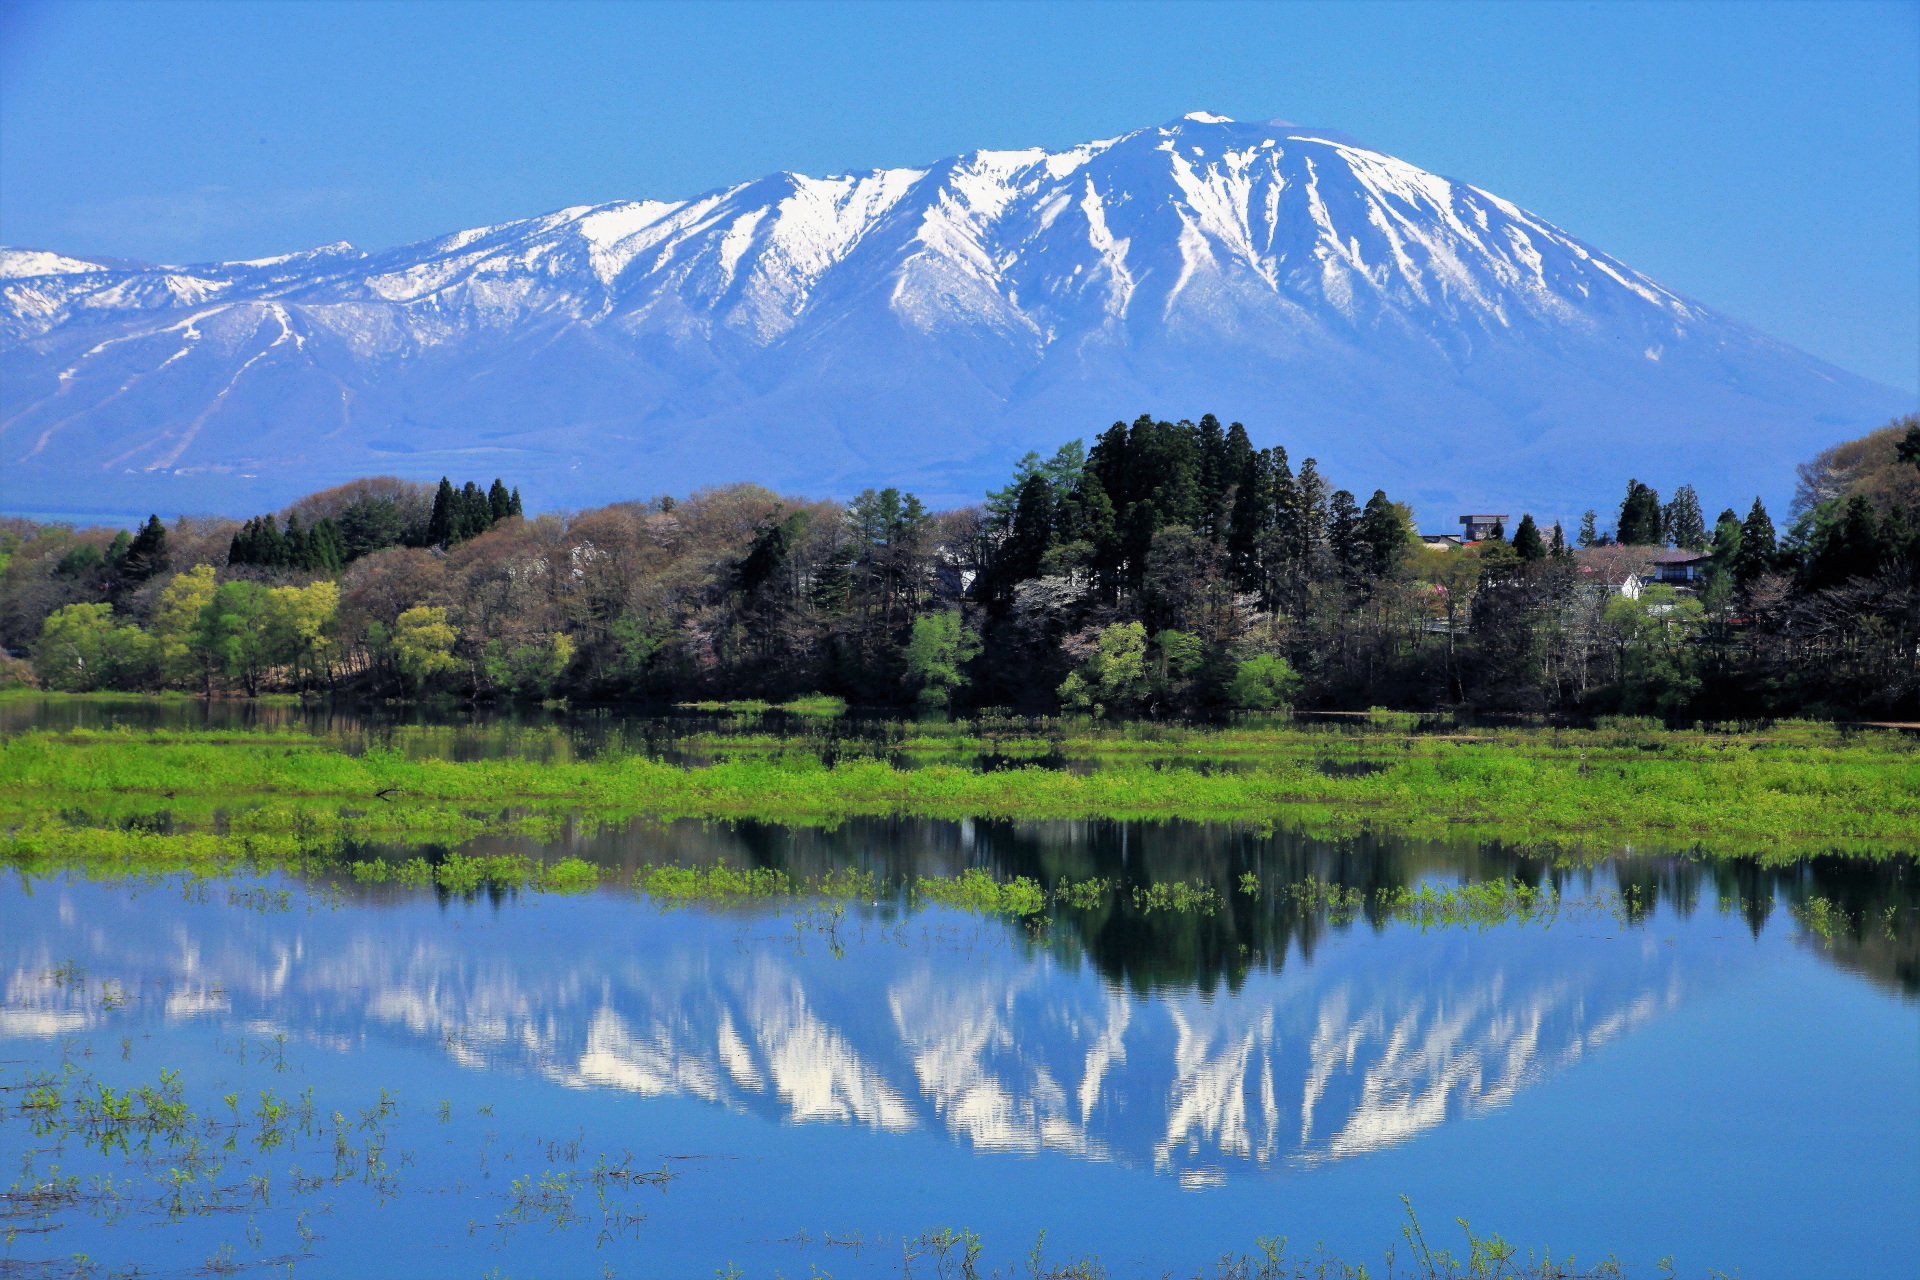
(919,327)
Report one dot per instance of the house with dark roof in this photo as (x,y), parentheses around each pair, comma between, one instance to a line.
(1677,567)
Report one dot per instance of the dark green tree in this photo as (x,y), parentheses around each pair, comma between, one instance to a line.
(1908,450)
(367,526)
(472,516)
(1844,544)
(1251,508)
(1683,521)
(299,551)
(1213,517)
(1758,545)
(1527,543)
(1640,518)
(147,555)
(1589,535)
(1384,533)
(499,501)
(769,551)
(326,550)
(1031,534)
(440,525)
(1350,556)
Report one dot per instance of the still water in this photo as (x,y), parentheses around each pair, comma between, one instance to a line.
(1670,1062)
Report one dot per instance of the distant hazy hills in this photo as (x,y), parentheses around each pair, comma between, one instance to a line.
(920,327)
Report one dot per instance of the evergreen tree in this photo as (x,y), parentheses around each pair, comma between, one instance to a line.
(1908,450)
(241,550)
(1248,518)
(1216,480)
(1589,535)
(1845,544)
(769,551)
(1499,533)
(1096,517)
(440,526)
(116,552)
(1030,536)
(367,526)
(1640,518)
(1758,546)
(1384,533)
(1527,543)
(1684,523)
(513,503)
(297,554)
(326,550)
(147,555)
(1343,537)
(1726,541)
(499,502)
(471,514)
(1559,550)
(270,545)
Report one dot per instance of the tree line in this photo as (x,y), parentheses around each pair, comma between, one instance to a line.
(1170,569)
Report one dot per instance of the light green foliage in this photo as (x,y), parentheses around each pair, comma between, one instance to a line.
(939,645)
(81,648)
(235,631)
(177,619)
(1114,675)
(1181,653)
(1659,665)
(1083,894)
(301,626)
(975,890)
(459,873)
(422,646)
(530,669)
(1177,895)
(825,705)
(721,884)
(1264,682)
(634,646)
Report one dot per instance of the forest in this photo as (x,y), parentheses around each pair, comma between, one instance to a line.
(1169,570)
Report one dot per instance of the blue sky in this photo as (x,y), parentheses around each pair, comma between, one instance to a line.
(1764,159)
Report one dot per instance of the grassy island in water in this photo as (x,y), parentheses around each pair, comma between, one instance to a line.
(127,796)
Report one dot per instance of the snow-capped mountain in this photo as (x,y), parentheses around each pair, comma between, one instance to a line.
(920,327)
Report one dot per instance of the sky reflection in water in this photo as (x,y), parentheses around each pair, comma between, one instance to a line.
(1694,1081)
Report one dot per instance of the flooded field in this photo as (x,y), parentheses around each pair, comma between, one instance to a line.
(1231,1034)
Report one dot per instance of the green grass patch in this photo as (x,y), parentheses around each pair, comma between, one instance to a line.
(1773,794)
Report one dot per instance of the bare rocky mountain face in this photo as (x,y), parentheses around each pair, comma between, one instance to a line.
(918,327)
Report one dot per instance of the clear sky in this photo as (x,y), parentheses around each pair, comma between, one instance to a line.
(1762,158)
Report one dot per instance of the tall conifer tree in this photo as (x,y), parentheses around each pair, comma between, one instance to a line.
(440,528)
(1758,546)
(1527,543)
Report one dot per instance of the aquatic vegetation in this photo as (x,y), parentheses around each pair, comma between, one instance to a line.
(975,890)
(462,874)
(1176,896)
(720,884)
(1761,793)
(957,1254)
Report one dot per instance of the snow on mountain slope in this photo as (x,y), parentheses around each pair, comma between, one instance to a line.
(921,327)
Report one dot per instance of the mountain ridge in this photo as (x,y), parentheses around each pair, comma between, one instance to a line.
(918,326)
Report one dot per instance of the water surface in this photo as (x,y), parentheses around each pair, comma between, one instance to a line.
(1670,1062)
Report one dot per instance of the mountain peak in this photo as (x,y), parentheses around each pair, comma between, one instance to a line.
(919,327)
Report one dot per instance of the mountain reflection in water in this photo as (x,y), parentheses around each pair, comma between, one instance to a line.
(1292,1040)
